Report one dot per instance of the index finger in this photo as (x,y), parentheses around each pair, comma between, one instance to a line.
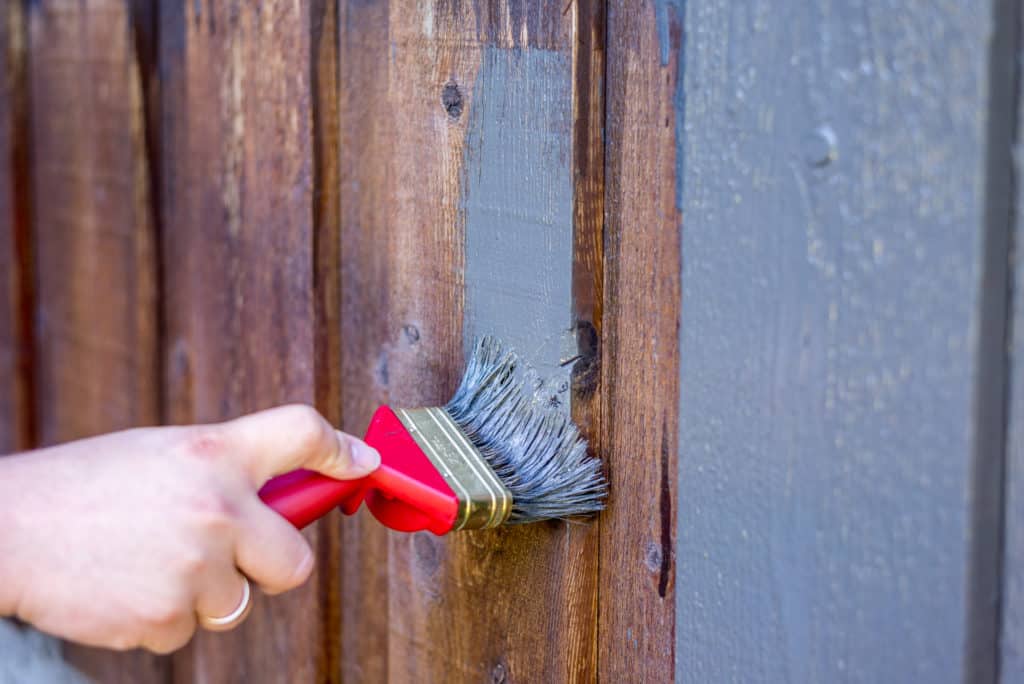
(285,438)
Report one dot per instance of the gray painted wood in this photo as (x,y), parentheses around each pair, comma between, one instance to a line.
(1012,635)
(832,455)
(517,195)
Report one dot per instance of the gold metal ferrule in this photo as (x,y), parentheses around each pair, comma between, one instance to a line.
(483,500)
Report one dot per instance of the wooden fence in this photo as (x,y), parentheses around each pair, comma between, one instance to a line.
(806,399)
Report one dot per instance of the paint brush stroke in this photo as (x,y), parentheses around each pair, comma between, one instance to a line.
(517,198)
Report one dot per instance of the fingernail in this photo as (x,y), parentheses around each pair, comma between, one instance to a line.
(365,456)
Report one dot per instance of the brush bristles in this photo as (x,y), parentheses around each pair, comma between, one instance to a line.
(536,451)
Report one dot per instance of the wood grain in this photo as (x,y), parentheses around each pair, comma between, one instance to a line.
(94,239)
(327,302)
(16,402)
(517,191)
(835,325)
(401,290)
(798,398)
(478,605)
(588,201)
(237,207)
(640,356)
(367,235)
(588,393)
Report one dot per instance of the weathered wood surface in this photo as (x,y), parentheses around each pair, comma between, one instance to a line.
(328,338)
(1011,663)
(365,134)
(640,355)
(15,274)
(237,210)
(348,192)
(517,194)
(451,117)
(587,395)
(835,490)
(95,244)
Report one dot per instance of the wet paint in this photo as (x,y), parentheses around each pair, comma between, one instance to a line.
(517,197)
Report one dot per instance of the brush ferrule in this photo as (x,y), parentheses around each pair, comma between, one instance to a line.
(483,500)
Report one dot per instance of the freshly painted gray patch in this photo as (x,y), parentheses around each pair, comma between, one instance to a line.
(28,657)
(518,201)
(829,339)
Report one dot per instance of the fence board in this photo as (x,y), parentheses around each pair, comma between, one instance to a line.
(15,269)
(1011,651)
(236,192)
(834,341)
(480,99)
(640,355)
(327,302)
(364,131)
(95,245)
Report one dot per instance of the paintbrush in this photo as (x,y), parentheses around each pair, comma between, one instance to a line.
(492,456)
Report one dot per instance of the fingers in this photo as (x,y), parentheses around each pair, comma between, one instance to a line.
(281,439)
(226,533)
(270,551)
(220,590)
(172,636)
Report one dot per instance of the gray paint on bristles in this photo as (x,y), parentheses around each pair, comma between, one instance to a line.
(534,448)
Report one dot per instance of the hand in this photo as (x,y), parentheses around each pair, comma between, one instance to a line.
(120,540)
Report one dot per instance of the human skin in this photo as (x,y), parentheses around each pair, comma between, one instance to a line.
(121,540)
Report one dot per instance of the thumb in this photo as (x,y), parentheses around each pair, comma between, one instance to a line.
(281,439)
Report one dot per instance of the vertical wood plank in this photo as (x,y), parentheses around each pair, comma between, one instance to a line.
(236,190)
(94,239)
(16,427)
(588,396)
(1011,645)
(511,72)
(327,301)
(517,192)
(588,199)
(447,112)
(367,239)
(640,356)
(11,55)
(833,492)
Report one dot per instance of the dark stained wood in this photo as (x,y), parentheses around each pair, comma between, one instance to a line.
(95,244)
(327,302)
(237,211)
(16,425)
(479,606)
(11,57)
(367,237)
(237,204)
(588,148)
(640,356)
(472,606)
(589,395)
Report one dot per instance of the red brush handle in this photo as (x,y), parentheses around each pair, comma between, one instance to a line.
(406,493)
(304,496)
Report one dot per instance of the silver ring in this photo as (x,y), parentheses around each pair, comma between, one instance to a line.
(229,621)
